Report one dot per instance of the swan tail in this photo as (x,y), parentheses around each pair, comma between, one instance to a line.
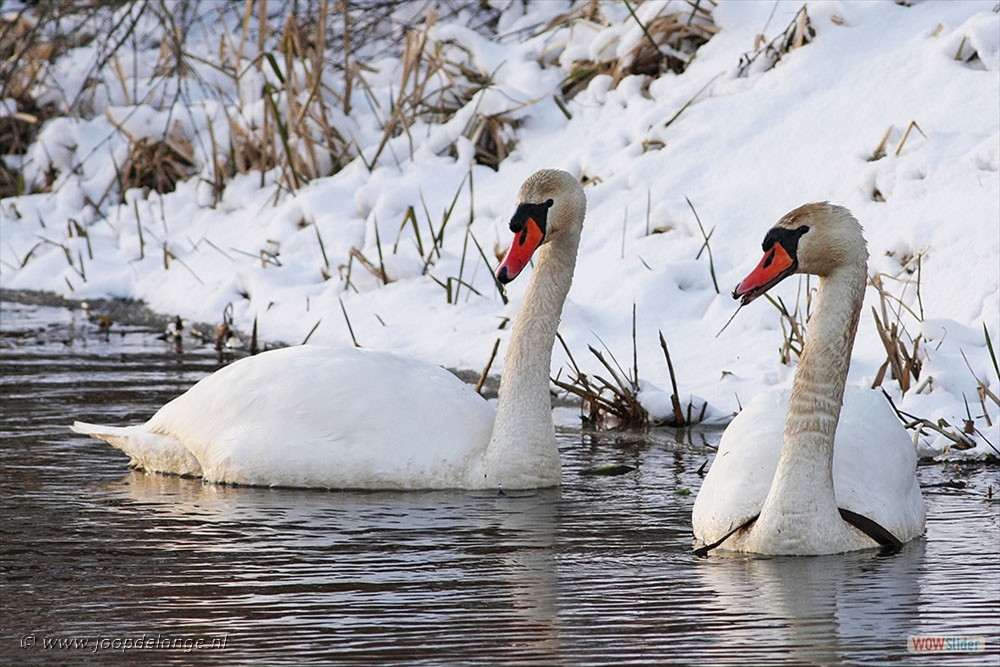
(154,452)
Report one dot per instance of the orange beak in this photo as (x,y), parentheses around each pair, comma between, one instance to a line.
(776,265)
(526,242)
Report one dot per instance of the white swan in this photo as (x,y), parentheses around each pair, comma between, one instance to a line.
(350,419)
(796,492)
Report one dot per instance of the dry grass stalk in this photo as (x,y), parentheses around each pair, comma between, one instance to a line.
(348,70)
(982,390)
(705,246)
(905,363)
(880,150)
(669,44)
(620,408)
(413,56)
(671,41)
(765,56)
(680,418)
(167,256)
(347,319)
(437,238)
(493,138)
(912,125)
(973,60)
(410,218)
(25,52)
(793,323)
(589,12)
(675,400)
(311,331)
(157,164)
(959,439)
(356,254)
(74,228)
(902,350)
(486,369)
(250,150)
(684,107)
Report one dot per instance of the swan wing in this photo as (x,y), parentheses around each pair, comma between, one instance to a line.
(738,481)
(874,465)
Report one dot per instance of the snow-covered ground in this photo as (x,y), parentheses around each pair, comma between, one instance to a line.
(746,150)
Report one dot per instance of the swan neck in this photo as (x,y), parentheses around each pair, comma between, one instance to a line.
(818,387)
(802,490)
(524,432)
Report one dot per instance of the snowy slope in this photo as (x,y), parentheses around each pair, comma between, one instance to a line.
(746,150)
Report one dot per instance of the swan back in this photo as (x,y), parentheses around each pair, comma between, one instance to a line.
(310,416)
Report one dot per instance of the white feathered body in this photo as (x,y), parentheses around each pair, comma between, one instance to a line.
(873,467)
(312,416)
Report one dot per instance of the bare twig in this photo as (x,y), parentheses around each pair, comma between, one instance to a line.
(486,370)
(674,399)
(705,246)
(347,319)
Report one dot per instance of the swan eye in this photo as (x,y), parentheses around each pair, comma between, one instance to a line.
(549,203)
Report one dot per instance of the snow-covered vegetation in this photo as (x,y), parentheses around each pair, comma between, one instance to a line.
(344,171)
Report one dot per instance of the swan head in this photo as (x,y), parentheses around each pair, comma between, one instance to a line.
(551,205)
(817,238)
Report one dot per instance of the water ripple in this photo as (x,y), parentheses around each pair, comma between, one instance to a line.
(599,572)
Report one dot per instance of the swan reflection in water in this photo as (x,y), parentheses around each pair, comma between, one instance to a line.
(818,610)
(377,571)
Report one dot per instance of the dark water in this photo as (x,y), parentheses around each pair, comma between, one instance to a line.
(599,572)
